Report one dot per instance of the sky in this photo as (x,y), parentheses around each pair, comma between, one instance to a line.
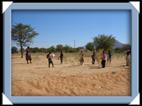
(68,26)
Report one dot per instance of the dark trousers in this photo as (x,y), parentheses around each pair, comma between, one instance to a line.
(93,61)
(61,59)
(103,63)
(50,62)
(28,58)
(109,59)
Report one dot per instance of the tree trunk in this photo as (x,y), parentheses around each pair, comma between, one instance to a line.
(21,51)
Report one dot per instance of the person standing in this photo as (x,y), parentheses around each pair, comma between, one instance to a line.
(81,58)
(93,56)
(28,55)
(61,57)
(50,61)
(109,56)
(104,58)
(128,57)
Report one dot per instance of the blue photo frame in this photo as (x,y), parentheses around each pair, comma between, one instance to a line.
(71,99)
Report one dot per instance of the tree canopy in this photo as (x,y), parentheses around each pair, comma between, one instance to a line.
(23,35)
(105,42)
(90,46)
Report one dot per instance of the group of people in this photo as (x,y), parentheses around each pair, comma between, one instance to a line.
(93,57)
(104,57)
(50,57)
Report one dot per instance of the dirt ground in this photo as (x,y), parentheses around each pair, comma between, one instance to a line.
(69,78)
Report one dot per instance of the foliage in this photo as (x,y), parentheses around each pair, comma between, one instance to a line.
(51,49)
(105,42)
(59,47)
(23,35)
(123,49)
(14,49)
(90,46)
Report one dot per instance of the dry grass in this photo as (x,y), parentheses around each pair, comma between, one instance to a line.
(70,78)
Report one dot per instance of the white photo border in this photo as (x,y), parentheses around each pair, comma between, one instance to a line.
(71,99)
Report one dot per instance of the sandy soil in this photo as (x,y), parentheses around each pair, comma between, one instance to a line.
(69,79)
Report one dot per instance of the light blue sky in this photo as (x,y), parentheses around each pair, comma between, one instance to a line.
(63,27)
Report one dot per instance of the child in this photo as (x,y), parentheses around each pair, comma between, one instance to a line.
(28,55)
(104,57)
(81,58)
(50,57)
(93,57)
(128,57)
(109,56)
(61,57)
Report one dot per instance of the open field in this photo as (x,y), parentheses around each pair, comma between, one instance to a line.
(69,79)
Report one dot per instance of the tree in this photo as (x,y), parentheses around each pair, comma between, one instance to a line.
(14,49)
(59,47)
(34,50)
(67,48)
(104,42)
(23,35)
(90,46)
(118,50)
(126,47)
(51,49)
(43,50)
